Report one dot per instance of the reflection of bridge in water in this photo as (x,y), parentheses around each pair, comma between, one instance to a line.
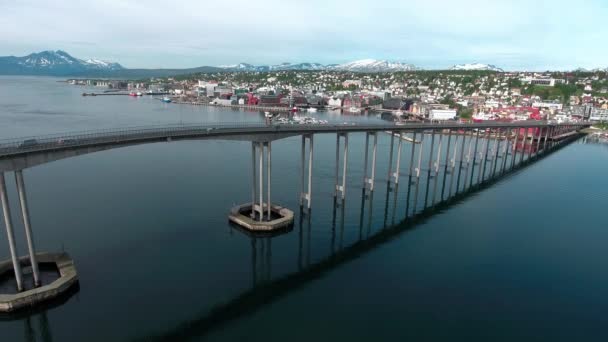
(445,161)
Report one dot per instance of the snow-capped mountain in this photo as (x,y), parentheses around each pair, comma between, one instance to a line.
(373,65)
(263,68)
(53,63)
(476,66)
(365,65)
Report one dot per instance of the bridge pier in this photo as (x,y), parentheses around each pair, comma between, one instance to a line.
(514,149)
(436,167)
(482,171)
(8,223)
(395,174)
(369,182)
(464,138)
(27,225)
(341,186)
(258,204)
(307,196)
(523,146)
(474,159)
(453,166)
(496,150)
(446,162)
(505,151)
(261,215)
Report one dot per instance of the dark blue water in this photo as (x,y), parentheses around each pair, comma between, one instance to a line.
(520,259)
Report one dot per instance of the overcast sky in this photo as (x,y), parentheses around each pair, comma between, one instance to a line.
(512,34)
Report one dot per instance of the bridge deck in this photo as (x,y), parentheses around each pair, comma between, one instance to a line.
(58,142)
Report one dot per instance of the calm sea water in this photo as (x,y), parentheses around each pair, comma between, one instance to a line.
(522,259)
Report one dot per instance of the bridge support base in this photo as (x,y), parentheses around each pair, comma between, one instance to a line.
(281,218)
(68,277)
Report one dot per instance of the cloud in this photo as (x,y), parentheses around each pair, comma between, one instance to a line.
(432,33)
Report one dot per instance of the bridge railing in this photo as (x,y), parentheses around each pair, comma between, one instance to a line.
(76,138)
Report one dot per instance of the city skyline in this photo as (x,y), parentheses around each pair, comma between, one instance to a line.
(513,35)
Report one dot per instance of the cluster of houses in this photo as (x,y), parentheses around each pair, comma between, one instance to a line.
(434,96)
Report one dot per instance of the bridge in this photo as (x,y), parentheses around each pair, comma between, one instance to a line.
(470,154)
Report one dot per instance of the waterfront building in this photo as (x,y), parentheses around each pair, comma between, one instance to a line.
(442,114)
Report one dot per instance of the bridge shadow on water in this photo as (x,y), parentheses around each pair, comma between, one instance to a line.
(265,291)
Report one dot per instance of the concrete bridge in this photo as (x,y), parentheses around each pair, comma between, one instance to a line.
(454,148)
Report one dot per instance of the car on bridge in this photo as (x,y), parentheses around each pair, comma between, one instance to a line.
(28,143)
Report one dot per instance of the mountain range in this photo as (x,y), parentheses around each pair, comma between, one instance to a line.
(476,66)
(57,63)
(364,65)
(60,63)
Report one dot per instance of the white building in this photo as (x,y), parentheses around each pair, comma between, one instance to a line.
(549,105)
(334,102)
(543,81)
(598,115)
(442,114)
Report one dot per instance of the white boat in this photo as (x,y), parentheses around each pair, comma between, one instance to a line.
(312,109)
(139,93)
(267,114)
(354,110)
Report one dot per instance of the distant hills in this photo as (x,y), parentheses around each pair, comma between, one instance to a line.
(60,63)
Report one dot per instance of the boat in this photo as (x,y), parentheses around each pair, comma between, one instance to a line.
(268,114)
(132,94)
(354,110)
(166,99)
(139,93)
(312,109)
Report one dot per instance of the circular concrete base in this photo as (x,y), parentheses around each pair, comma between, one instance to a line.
(67,278)
(240,215)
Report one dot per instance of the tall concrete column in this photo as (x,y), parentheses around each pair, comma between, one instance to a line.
(514,153)
(365,159)
(497,144)
(531,145)
(474,159)
(345,161)
(525,141)
(340,186)
(505,151)
(371,180)
(453,166)
(390,156)
(436,166)
(310,154)
(8,223)
(302,164)
(254,194)
(398,166)
(27,225)
(261,178)
(446,162)
(337,164)
(482,174)
(460,165)
(413,153)
(269,172)
(538,139)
